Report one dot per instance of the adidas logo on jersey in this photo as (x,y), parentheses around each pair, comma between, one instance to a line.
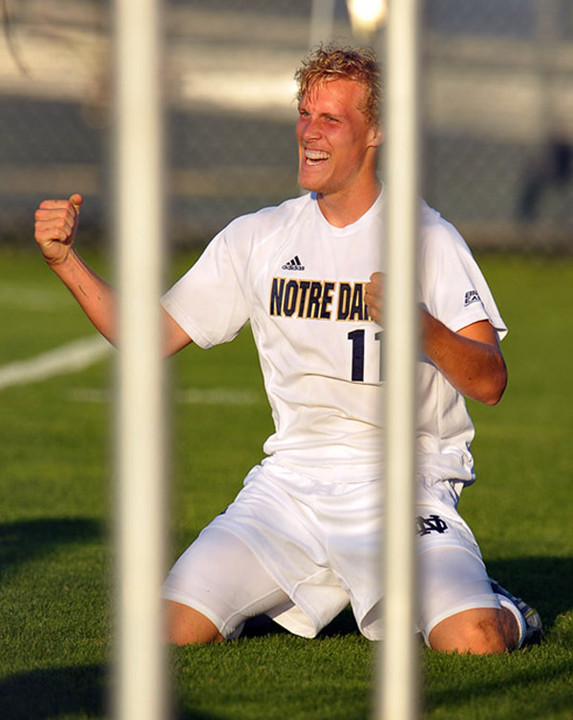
(293,264)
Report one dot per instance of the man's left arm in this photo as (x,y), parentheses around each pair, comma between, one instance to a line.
(470,359)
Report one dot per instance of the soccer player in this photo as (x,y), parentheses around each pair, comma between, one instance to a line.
(301,540)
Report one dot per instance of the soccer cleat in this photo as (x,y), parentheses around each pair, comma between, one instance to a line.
(533,625)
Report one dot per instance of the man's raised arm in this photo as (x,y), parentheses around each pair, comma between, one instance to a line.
(56,223)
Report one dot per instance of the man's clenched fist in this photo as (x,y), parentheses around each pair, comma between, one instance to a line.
(56,226)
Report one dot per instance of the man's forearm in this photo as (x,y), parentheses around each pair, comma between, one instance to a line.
(95,296)
(472,362)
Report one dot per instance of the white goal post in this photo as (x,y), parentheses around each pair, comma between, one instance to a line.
(397,691)
(138,222)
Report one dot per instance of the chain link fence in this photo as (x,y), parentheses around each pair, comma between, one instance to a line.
(498,91)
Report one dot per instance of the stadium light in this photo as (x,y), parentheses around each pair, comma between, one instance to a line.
(366,16)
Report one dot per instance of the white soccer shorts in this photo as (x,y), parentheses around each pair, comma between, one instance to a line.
(301,555)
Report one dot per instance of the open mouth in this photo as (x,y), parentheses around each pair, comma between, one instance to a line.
(315,157)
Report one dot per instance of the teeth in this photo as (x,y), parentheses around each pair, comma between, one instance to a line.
(314,155)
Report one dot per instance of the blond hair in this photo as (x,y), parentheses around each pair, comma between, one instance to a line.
(330,62)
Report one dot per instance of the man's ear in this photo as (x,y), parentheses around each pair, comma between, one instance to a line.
(377,136)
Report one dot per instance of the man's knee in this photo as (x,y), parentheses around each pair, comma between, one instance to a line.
(186,626)
(479,631)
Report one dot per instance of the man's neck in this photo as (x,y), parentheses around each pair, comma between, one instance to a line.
(344,209)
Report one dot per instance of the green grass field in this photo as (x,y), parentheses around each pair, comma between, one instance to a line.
(57,504)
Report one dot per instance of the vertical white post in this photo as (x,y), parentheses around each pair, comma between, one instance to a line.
(140,422)
(398,663)
(321,21)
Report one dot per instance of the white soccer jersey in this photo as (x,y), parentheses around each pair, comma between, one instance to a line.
(300,282)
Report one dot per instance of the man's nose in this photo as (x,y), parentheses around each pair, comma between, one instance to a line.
(310,128)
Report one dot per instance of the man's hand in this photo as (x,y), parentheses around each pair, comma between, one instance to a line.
(374,297)
(56,227)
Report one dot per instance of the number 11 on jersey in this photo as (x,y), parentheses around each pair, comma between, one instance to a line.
(358,339)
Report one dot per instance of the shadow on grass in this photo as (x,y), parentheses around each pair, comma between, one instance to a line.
(182,714)
(29,539)
(49,692)
(545,698)
(546,583)
(52,693)
(343,624)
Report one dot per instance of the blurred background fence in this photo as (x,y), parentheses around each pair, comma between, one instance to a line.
(498,102)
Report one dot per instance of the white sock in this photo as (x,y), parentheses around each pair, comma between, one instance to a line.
(505,602)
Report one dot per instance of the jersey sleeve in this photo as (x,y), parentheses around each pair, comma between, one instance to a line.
(452,286)
(208,302)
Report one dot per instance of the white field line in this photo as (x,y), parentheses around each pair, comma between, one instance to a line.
(189,396)
(217,396)
(80,354)
(71,357)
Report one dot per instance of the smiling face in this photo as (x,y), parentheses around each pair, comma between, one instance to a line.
(337,144)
